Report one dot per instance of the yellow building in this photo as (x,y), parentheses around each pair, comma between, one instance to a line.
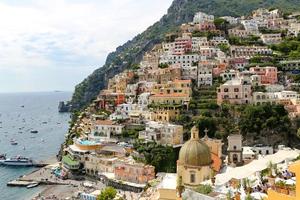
(165,114)
(170,99)
(194,163)
(274,195)
(174,87)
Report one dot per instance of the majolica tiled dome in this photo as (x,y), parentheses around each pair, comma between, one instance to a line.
(194,152)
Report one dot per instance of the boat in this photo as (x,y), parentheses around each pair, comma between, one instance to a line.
(32,185)
(13,142)
(34,131)
(17,161)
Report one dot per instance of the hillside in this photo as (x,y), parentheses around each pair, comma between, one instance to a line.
(181,11)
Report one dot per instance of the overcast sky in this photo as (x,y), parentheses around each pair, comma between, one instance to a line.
(50,45)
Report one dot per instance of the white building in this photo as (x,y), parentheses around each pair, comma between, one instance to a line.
(215,41)
(198,42)
(231,20)
(143,100)
(250,25)
(184,60)
(271,38)
(203,17)
(104,129)
(162,133)
(205,76)
(294,29)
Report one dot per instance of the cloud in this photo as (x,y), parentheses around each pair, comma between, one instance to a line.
(73,36)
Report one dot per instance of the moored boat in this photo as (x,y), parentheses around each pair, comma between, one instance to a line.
(34,131)
(13,142)
(17,161)
(32,185)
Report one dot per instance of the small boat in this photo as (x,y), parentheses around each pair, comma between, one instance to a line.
(22,106)
(32,185)
(13,142)
(34,131)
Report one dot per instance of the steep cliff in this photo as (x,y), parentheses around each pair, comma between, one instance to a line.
(181,11)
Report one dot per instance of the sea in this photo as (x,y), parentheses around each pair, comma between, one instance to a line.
(19,114)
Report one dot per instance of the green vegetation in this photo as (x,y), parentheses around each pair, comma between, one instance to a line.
(208,34)
(224,47)
(204,189)
(163,158)
(108,193)
(251,40)
(132,132)
(290,47)
(163,65)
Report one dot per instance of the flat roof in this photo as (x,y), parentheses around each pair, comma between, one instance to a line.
(169,181)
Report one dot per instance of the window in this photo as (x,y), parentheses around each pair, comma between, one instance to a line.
(236,89)
(193,177)
(225,89)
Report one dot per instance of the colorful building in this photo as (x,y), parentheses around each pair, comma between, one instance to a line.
(236,91)
(268,75)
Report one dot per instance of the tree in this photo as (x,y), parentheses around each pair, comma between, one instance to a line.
(108,193)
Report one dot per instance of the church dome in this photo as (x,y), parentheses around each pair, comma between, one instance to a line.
(195,152)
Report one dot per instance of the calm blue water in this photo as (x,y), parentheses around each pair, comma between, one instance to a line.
(39,113)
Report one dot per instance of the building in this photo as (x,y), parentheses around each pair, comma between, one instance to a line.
(182,46)
(236,91)
(186,60)
(290,65)
(215,41)
(206,26)
(159,75)
(204,72)
(173,87)
(130,171)
(166,114)
(294,29)
(268,75)
(119,82)
(162,133)
(241,33)
(271,38)
(250,25)
(104,129)
(235,150)
(260,98)
(194,163)
(229,75)
(108,100)
(143,100)
(203,17)
(249,51)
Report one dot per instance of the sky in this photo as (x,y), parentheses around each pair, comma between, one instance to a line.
(48,45)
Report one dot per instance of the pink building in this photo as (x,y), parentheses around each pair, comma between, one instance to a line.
(206,26)
(134,172)
(268,74)
(182,46)
(236,91)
